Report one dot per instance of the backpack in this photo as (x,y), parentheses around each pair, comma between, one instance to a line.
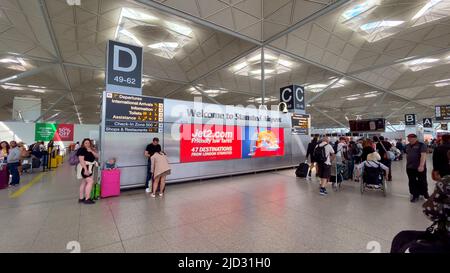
(356,151)
(320,155)
(73,158)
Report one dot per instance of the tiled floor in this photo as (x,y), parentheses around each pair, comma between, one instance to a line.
(266,212)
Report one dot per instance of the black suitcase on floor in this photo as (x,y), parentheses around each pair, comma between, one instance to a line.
(302,170)
(36,162)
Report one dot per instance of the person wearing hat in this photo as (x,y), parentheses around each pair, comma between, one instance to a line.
(416,156)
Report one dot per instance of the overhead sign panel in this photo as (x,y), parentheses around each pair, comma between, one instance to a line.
(427,123)
(293,96)
(368,125)
(410,119)
(137,114)
(442,112)
(123,68)
(300,124)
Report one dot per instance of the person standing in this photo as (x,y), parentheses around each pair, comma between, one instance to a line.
(150,150)
(310,153)
(13,161)
(160,169)
(85,170)
(77,146)
(368,148)
(383,147)
(441,160)
(416,156)
(324,154)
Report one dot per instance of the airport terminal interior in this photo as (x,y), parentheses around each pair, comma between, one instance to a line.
(256,80)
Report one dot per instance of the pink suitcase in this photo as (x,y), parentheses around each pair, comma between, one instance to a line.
(110,183)
(4,176)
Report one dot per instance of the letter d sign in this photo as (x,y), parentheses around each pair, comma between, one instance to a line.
(124,68)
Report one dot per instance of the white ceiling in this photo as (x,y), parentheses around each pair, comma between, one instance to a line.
(48,43)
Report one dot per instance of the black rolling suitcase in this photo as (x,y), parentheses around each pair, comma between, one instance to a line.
(302,170)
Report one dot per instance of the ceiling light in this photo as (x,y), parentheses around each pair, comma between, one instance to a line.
(284,63)
(167,45)
(370,95)
(258,71)
(422,61)
(184,30)
(131,36)
(421,64)
(315,87)
(9,61)
(378,24)
(425,9)
(442,84)
(137,15)
(352,98)
(339,84)
(239,66)
(358,9)
(251,65)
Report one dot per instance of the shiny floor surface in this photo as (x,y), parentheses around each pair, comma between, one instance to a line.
(264,212)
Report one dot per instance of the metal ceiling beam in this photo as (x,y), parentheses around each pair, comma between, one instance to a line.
(52,34)
(398,110)
(302,59)
(34,58)
(206,95)
(25,74)
(307,20)
(324,90)
(197,20)
(51,107)
(330,117)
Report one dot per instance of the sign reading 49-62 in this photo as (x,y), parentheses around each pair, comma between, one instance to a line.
(124,68)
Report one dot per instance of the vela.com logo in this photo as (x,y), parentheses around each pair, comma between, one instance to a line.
(73,2)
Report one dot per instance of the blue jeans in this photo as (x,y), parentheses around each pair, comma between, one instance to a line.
(149,174)
(14,172)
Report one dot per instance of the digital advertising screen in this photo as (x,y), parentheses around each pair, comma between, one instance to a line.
(262,142)
(209,142)
(220,142)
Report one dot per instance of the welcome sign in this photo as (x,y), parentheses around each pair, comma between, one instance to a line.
(53,131)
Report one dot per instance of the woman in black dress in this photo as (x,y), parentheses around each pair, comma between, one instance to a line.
(87,156)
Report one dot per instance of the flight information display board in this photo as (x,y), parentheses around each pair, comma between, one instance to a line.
(442,112)
(368,125)
(134,114)
(300,124)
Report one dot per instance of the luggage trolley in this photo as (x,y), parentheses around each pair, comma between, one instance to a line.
(338,172)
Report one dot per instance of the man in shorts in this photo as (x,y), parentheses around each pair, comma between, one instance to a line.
(324,154)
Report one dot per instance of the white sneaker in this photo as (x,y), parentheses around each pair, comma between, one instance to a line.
(148,190)
(161,194)
(153,195)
